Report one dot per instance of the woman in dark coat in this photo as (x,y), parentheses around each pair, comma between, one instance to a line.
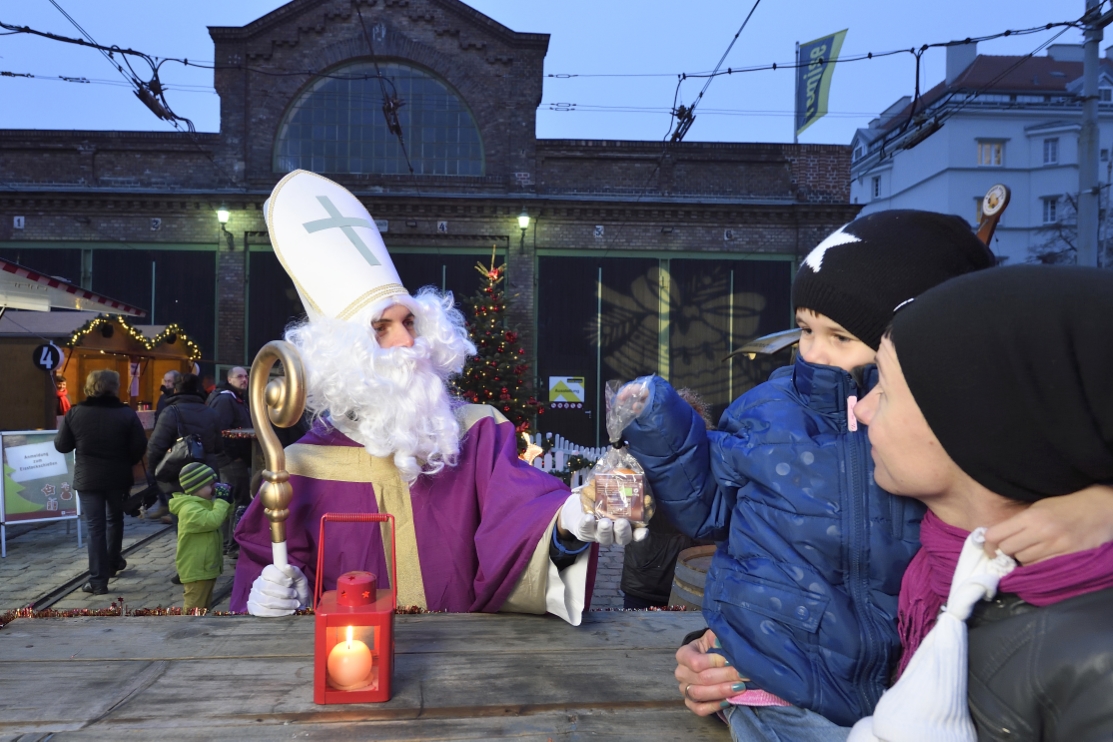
(185,413)
(109,441)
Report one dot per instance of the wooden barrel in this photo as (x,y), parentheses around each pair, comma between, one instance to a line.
(689,576)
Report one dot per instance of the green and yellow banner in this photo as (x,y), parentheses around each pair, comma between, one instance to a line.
(815,66)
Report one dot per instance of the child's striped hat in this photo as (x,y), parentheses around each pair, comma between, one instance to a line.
(194,476)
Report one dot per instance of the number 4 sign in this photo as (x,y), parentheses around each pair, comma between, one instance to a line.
(47,357)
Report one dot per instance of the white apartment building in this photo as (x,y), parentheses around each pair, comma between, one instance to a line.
(1021,129)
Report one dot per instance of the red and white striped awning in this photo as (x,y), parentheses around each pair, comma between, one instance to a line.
(23,288)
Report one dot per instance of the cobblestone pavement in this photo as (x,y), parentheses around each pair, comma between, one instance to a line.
(608,576)
(41,559)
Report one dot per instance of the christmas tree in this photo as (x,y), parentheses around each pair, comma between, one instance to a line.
(495,375)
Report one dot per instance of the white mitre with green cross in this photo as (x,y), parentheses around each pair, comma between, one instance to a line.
(330,246)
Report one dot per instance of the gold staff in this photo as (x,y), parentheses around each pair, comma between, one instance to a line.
(283,399)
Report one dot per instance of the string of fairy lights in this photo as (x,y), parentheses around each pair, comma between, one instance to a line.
(170,335)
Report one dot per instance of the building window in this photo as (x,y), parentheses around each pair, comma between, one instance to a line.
(991,154)
(337,126)
(858,152)
(1051,151)
(1106,95)
(1050,210)
(875,186)
(1105,155)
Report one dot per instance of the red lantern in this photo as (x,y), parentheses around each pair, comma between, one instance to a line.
(353,654)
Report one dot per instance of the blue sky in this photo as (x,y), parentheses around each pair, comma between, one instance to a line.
(587,37)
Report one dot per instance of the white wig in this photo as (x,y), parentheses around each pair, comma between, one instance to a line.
(394,401)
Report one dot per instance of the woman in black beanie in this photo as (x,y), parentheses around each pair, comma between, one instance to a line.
(993,397)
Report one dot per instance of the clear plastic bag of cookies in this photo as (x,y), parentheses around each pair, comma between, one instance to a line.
(616,487)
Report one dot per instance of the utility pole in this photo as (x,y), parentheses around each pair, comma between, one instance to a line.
(1089,188)
(796,97)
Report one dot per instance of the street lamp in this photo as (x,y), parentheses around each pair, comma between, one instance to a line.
(523,224)
(222,215)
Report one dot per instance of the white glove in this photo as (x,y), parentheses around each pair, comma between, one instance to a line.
(278,592)
(587,528)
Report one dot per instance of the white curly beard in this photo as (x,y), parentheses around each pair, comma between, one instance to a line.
(393,401)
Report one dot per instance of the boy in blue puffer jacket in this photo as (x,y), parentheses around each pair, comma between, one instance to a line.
(802,591)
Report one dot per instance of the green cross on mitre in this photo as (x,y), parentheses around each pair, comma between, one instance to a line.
(344,224)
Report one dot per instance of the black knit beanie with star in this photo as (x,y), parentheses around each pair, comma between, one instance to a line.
(1012,369)
(862,272)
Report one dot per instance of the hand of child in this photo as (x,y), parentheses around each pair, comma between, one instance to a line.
(705,678)
(222,491)
(634,394)
(1055,526)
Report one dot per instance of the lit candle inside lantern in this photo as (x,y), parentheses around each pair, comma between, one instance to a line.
(349,663)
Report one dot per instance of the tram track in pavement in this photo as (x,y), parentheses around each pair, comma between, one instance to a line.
(58,593)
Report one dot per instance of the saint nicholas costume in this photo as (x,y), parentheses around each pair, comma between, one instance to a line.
(478,536)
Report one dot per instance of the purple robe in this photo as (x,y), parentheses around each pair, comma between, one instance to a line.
(477,524)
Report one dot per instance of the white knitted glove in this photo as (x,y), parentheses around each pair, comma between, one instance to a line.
(605,531)
(278,592)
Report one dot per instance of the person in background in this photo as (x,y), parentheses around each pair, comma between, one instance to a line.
(199,560)
(183,415)
(108,440)
(1029,422)
(169,379)
(648,565)
(1020,444)
(478,529)
(208,384)
(802,590)
(230,402)
(61,387)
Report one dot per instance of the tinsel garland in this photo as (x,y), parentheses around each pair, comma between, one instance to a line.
(119,610)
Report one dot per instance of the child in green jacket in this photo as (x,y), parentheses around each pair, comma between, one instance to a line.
(200,558)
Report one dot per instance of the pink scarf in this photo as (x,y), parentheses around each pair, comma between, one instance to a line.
(927,582)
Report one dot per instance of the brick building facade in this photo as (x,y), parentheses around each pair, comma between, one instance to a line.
(639,257)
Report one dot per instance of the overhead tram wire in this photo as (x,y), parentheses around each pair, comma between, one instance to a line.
(391,103)
(773,66)
(675,139)
(927,128)
(152,94)
(553,106)
(149,93)
(12,29)
(685,117)
(107,55)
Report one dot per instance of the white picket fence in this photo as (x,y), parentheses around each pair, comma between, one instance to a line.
(562,449)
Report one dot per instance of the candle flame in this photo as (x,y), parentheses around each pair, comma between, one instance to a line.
(349,637)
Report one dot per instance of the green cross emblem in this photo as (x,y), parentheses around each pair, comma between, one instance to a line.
(345,224)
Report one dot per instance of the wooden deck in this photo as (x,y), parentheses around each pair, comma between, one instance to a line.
(458,677)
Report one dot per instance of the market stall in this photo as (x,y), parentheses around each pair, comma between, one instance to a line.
(85,341)
(28,352)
